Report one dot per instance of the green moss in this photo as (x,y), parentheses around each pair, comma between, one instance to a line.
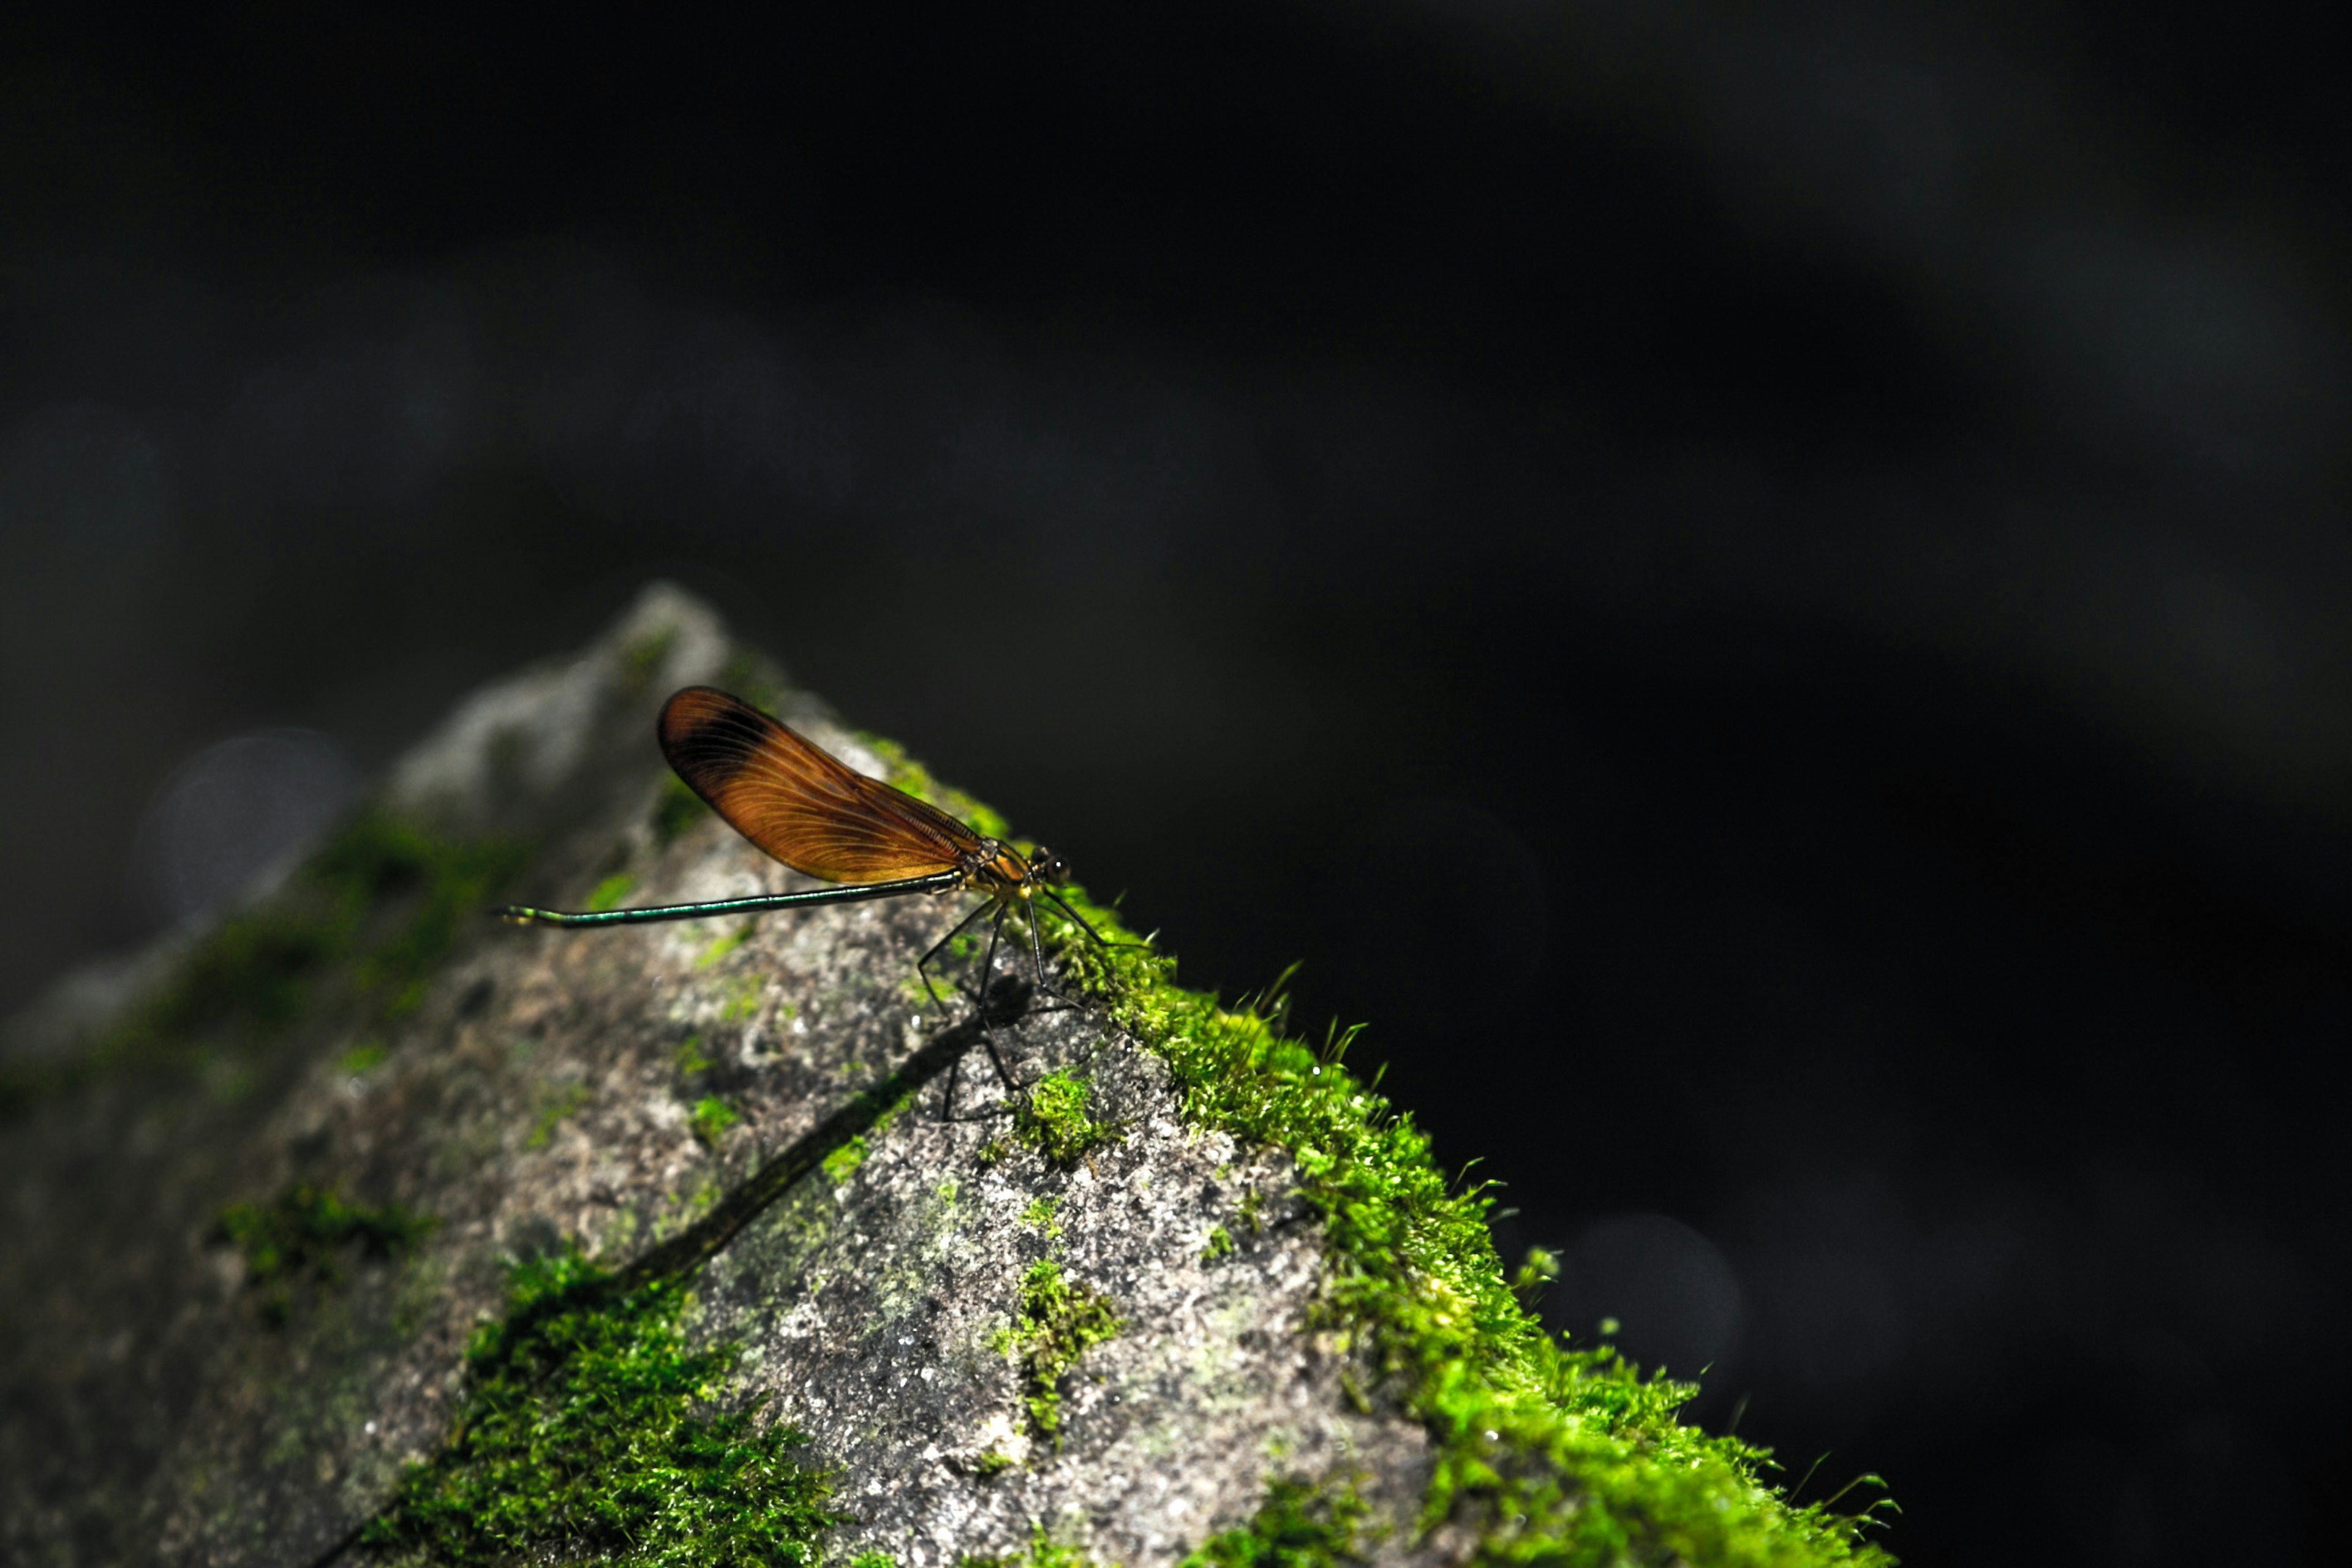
(1043,1552)
(904,773)
(359,1059)
(992,1463)
(1058,1320)
(1219,1245)
(676,809)
(1550,1453)
(712,1118)
(688,1058)
(742,999)
(1039,1216)
(448,884)
(844,1162)
(1538,1268)
(252,971)
(1298,1525)
(587,1432)
(721,946)
(608,893)
(993,1151)
(751,676)
(299,1236)
(561,1104)
(1055,1120)
(642,660)
(359,926)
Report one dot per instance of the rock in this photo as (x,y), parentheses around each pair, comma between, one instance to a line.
(363,1227)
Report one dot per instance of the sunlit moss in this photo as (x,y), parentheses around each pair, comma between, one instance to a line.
(844,1162)
(589,1431)
(712,1118)
(1058,1320)
(1296,1526)
(720,946)
(1039,1216)
(904,773)
(1553,1454)
(1055,1120)
(1043,1551)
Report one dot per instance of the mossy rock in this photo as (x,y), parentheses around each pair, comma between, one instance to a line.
(363,1229)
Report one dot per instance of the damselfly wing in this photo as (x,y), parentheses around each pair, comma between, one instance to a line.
(816,815)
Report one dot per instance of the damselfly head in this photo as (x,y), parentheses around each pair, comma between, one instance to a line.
(1047,867)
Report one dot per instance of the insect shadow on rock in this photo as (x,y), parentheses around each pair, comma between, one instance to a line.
(818,815)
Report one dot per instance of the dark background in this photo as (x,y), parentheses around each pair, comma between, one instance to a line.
(1762,592)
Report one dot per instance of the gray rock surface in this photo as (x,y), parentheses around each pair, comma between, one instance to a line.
(542,1086)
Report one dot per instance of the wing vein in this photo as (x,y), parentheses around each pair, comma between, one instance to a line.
(798,803)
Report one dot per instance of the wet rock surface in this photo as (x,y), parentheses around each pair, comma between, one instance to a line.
(621,1090)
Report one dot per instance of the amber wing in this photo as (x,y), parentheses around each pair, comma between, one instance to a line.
(801,805)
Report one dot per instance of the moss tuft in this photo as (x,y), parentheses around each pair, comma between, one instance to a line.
(1538,1268)
(1298,1525)
(608,893)
(366,1057)
(712,1117)
(1059,1319)
(299,1236)
(1220,1243)
(844,1162)
(720,946)
(1055,1120)
(1549,1452)
(586,1434)
(1044,1552)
